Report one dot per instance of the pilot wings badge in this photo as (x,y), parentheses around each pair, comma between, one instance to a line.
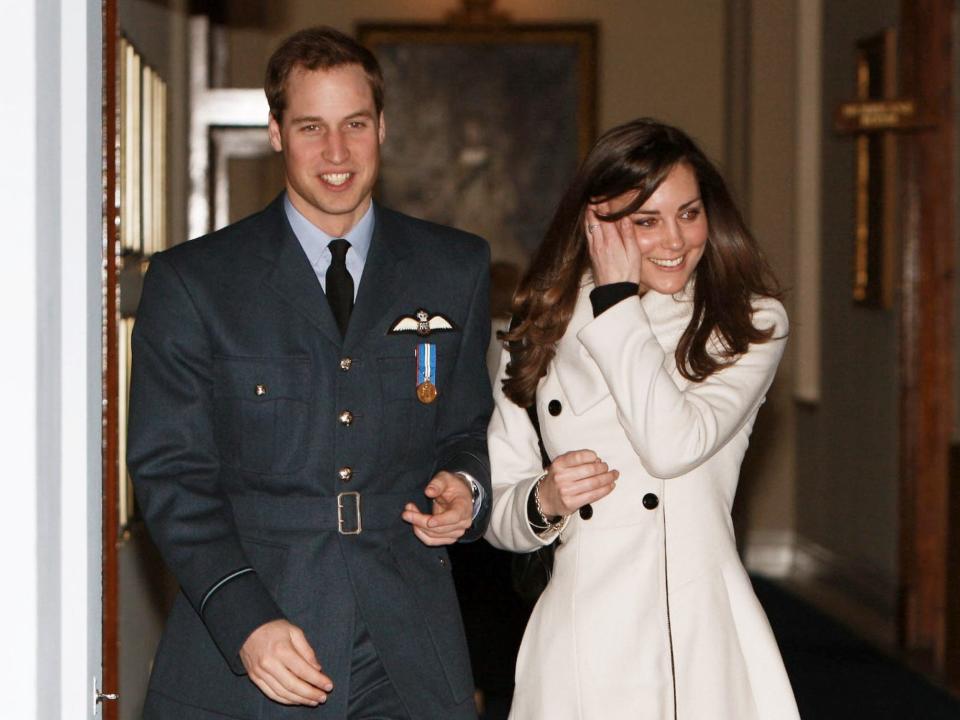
(422,323)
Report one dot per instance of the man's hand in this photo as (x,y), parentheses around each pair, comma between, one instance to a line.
(280,662)
(452,511)
(573,480)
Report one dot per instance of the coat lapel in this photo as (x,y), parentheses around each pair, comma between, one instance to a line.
(579,376)
(383,276)
(292,278)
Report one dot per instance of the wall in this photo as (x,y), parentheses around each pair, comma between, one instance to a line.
(767,485)
(847,462)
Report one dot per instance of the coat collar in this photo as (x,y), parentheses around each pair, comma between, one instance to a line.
(579,375)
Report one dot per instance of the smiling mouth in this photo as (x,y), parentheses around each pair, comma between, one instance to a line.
(336,179)
(676,262)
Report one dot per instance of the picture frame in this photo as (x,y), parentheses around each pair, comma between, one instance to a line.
(486,123)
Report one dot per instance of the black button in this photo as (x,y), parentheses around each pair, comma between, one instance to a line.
(586,512)
(650,501)
(554,407)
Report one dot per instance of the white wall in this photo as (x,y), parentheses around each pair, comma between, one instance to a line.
(50,200)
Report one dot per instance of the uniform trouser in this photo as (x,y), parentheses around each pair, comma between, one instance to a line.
(372,695)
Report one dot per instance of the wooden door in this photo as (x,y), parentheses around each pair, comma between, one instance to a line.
(926,392)
(111,676)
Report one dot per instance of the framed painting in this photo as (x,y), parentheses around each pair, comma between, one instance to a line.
(486,123)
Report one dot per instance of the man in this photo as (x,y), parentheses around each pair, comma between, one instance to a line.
(308,420)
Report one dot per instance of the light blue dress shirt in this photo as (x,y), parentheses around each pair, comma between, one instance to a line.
(314,242)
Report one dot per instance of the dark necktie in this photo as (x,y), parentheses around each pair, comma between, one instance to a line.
(340,284)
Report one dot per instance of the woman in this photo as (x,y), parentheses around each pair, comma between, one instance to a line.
(649,333)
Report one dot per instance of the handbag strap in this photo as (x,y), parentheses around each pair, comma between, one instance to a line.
(585,512)
(514,347)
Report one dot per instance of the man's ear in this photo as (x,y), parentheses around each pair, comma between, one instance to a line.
(273,130)
(382,129)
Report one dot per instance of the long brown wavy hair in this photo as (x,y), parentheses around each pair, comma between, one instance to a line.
(638,156)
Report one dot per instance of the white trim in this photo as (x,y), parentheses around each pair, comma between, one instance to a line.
(805,327)
(18,365)
(859,596)
(50,295)
(224,581)
(80,358)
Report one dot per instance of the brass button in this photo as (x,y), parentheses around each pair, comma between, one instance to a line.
(345,363)
(260,390)
(346,418)
(345,473)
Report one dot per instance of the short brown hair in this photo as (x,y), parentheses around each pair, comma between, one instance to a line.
(318,48)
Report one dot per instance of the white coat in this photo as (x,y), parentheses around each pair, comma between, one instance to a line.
(649,614)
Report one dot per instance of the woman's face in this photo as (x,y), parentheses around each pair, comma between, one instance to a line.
(671,231)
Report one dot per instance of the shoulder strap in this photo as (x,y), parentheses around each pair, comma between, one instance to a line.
(531,409)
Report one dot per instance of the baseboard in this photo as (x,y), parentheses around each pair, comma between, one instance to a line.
(770,553)
(858,596)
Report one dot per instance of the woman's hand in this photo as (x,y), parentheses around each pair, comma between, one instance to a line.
(614,250)
(573,480)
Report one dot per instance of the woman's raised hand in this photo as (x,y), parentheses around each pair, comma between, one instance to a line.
(574,479)
(614,250)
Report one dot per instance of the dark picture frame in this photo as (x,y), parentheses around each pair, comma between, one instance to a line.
(486,124)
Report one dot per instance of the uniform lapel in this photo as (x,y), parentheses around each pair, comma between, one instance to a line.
(383,276)
(292,278)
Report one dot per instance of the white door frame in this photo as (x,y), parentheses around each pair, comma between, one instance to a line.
(50,370)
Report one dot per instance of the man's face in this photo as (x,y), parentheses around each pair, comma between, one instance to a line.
(330,139)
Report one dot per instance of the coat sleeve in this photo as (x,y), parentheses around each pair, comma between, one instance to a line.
(463,416)
(672,430)
(175,467)
(515,466)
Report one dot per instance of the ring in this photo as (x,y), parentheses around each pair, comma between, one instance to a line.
(591,228)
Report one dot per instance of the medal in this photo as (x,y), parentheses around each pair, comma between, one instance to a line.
(426,392)
(426,372)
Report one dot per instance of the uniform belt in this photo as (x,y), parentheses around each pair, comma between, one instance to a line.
(349,513)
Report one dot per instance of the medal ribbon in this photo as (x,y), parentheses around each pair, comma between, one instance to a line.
(426,363)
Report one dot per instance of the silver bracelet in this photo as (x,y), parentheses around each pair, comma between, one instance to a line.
(548,526)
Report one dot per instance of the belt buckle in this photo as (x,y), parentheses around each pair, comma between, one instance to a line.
(356,498)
